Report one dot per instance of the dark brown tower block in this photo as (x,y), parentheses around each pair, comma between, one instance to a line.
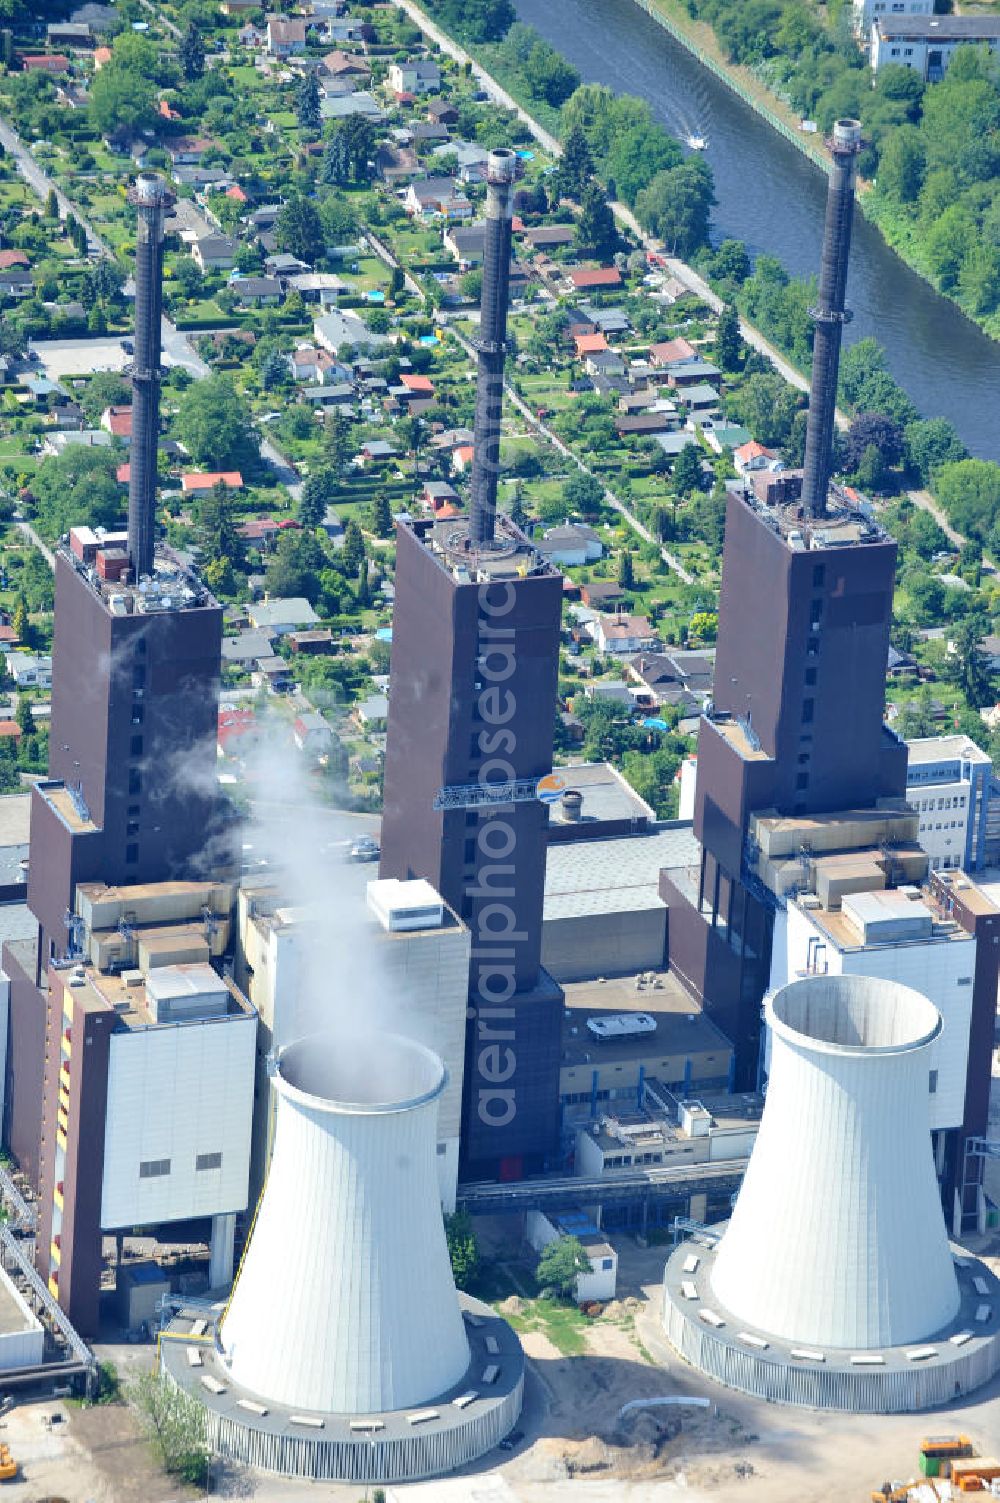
(471,714)
(132,793)
(796,729)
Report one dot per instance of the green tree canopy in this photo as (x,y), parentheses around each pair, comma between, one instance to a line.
(215,425)
(560,1263)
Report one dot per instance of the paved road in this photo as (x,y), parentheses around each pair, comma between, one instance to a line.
(26,530)
(488,83)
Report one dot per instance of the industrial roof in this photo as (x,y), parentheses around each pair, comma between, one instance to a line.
(945,749)
(681,1026)
(584,877)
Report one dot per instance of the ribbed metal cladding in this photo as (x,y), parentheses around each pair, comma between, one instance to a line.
(830,316)
(345,1301)
(150,198)
(501,171)
(837,1238)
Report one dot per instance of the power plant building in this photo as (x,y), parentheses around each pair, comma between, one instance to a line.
(833,1284)
(809,849)
(131,804)
(148,1083)
(415,954)
(475,654)
(344,1350)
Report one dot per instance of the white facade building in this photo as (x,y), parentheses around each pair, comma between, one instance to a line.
(601,1281)
(177,1124)
(867,11)
(948,782)
(408,944)
(891,936)
(928,44)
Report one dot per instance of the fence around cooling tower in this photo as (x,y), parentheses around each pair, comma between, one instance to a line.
(894,1380)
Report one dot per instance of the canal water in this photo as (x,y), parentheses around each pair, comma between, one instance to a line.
(771,196)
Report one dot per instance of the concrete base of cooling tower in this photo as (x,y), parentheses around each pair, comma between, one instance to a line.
(922,1375)
(445,1432)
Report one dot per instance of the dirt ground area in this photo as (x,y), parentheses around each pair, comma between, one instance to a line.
(95,1455)
(576,1446)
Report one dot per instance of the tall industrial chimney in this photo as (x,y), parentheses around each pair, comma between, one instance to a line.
(501,169)
(150,197)
(830,314)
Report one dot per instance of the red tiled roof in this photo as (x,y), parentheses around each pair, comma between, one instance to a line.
(672,350)
(11,729)
(123,474)
(590,344)
(259,527)
(600,276)
(119,422)
(204,480)
(418,383)
(44,62)
(9,258)
(236,194)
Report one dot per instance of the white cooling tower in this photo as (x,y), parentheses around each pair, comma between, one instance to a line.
(345,1301)
(838,1238)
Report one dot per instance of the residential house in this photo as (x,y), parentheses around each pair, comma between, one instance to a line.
(589,344)
(312,643)
(215,252)
(753,456)
(9,259)
(549,236)
(700,397)
(261,530)
(423,131)
(442,112)
(258,292)
(470,157)
(600,593)
(467,243)
(29,670)
(339,396)
(281,616)
(672,352)
(647,424)
(623,634)
(342,106)
(687,373)
(461,459)
(372,714)
(187,151)
(200,482)
(44,62)
(415,76)
(605,363)
(682,679)
(342,329)
(312,735)
(281,264)
(397,164)
(118,422)
(350,65)
(610,321)
(437,197)
(245,648)
(274,674)
(285,37)
(437,494)
(378,451)
(451,439)
(90,438)
(16,283)
(75,34)
(570,545)
(589,279)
